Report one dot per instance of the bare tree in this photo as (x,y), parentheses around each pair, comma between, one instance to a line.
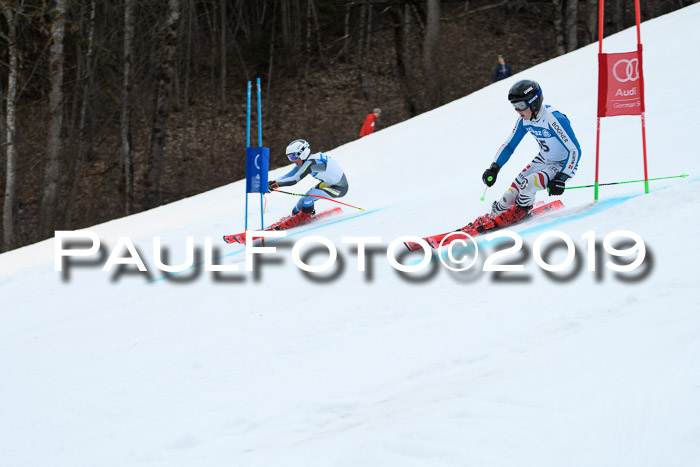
(162,104)
(431,72)
(126,166)
(401,19)
(317,26)
(619,14)
(54,144)
(359,64)
(271,59)
(466,21)
(186,98)
(558,27)
(346,31)
(87,82)
(10,149)
(307,83)
(222,60)
(214,56)
(592,20)
(571,25)
(407,30)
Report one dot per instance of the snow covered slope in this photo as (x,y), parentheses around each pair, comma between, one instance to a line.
(283,368)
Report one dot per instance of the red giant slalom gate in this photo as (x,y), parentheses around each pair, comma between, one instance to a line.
(620,88)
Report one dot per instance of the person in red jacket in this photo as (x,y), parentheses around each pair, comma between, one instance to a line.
(368,127)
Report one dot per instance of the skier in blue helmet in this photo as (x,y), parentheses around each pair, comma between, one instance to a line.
(555,163)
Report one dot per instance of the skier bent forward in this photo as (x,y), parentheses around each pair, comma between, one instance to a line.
(333,182)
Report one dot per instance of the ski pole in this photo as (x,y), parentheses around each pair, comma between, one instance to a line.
(490,179)
(628,181)
(317,196)
(483,197)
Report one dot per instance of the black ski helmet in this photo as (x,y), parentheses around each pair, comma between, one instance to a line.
(528,92)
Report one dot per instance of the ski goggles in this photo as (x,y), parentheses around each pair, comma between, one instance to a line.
(522,105)
(293,157)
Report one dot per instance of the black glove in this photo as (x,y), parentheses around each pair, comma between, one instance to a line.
(490,174)
(272,185)
(556,185)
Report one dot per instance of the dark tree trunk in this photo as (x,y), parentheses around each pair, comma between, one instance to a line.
(307,83)
(186,97)
(222,59)
(126,159)
(359,59)
(431,71)
(560,49)
(592,20)
(571,25)
(54,144)
(87,81)
(346,32)
(8,221)
(619,14)
(271,59)
(317,26)
(368,89)
(403,64)
(162,109)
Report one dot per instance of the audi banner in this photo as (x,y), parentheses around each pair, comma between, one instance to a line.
(620,84)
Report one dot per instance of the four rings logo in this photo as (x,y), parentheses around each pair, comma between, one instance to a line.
(630,72)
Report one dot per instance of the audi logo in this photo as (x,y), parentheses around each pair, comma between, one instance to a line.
(630,72)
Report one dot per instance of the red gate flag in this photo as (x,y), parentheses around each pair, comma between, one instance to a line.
(620,88)
(620,84)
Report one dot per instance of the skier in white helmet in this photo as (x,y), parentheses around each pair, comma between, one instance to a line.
(332,180)
(556,162)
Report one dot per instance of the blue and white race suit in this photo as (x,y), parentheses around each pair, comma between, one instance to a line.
(559,152)
(333,182)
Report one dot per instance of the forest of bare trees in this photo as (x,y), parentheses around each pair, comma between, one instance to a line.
(110,108)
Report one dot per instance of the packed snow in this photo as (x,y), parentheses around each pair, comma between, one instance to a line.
(281,367)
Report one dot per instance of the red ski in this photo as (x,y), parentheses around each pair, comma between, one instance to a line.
(434,240)
(240,238)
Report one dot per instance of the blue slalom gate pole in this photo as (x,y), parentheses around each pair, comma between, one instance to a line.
(259,116)
(262,210)
(247,145)
(247,127)
(257,160)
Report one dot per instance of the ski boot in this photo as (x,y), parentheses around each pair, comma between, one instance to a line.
(483,223)
(511,215)
(297,218)
(479,225)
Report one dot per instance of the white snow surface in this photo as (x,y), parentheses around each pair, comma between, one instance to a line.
(347,368)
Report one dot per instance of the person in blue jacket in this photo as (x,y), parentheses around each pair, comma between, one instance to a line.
(503,70)
(556,162)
